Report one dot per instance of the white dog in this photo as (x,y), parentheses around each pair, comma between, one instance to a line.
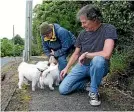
(31,72)
(50,76)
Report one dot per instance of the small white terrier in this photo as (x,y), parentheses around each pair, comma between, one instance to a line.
(31,72)
(50,76)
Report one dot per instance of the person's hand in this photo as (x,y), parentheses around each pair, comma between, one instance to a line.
(82,57)
(63,73)
(52,52)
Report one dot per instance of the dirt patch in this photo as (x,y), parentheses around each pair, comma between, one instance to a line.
(119,100)
(9,81)
(123,81)
(19,101)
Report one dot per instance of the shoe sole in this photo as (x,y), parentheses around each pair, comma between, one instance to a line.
(94,103)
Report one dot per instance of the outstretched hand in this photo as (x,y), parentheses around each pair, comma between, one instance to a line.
(82,57)
(63,73)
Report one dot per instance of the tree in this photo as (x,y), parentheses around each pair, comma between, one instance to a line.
(6,47)
(18,40)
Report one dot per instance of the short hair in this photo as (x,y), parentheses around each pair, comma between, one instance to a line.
(91,12)
(45,28)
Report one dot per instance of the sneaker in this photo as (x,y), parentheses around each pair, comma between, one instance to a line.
(94,99)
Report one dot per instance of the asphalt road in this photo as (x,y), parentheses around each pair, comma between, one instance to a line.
(6,60)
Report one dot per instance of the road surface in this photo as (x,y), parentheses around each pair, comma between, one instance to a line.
(6,60)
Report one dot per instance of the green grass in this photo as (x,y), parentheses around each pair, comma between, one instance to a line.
(118,62)
(25,97)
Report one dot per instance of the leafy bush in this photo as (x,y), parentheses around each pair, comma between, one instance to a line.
(18,50)
(35,50)
(118,62)
(120,14)
(6,47)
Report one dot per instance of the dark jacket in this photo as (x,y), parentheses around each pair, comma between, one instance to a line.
(65,40)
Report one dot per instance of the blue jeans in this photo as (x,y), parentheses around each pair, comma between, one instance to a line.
(62,61)
(78,77)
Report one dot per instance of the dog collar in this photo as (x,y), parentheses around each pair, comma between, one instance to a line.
(40,70)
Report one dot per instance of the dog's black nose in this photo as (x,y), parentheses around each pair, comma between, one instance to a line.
(48,64)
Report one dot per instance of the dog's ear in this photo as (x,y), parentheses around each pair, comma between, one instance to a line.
(52,60)
(55,62)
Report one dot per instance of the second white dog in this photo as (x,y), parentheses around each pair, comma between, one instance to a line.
(50,76)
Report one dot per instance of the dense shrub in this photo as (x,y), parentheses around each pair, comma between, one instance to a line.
(18,50)
(118,13)
(35,50)
(10,48)
(6,47)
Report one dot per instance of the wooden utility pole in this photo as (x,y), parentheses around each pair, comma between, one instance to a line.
(28,31)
